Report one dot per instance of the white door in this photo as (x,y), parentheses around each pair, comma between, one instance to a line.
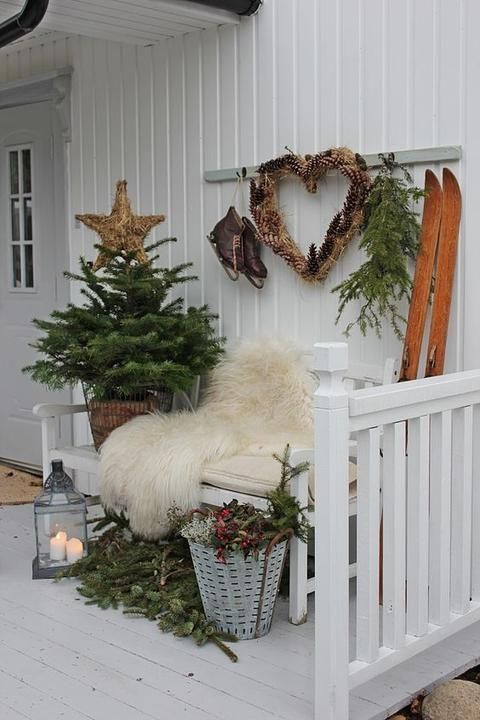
(33,255)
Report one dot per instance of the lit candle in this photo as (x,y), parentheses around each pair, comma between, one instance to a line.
(58,546)
(74,550)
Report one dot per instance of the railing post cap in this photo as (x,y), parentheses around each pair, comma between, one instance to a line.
(330,356)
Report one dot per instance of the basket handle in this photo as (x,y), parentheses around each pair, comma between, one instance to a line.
(287,533)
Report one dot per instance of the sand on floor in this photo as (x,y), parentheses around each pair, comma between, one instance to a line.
(18,487)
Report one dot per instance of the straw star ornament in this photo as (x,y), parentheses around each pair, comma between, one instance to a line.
(122,229)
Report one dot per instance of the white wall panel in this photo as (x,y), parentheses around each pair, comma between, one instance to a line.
(372,74)
(28,58)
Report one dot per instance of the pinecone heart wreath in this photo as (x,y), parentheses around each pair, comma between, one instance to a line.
(272,230)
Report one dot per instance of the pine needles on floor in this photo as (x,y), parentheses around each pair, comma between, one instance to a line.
(151,580)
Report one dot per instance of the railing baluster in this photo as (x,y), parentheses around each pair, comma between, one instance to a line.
(440,503)
(461,557)
(368,527)
(431,516)
(394,487)
(331,534)
(476,506)
(417,525)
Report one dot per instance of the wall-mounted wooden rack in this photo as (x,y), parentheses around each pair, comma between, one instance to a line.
(444,153)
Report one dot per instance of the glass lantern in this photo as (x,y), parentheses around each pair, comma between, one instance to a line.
(60,524)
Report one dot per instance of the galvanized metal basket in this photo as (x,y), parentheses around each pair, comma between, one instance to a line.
(239,596)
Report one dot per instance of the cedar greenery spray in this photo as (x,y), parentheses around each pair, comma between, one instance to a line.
(390,238)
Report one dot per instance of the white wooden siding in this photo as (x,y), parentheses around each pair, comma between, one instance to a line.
(374,75)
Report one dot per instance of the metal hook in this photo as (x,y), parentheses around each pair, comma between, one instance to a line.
(388,159)
(242,174)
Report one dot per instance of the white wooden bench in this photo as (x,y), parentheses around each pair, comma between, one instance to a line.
(84,458)
(222,482)
(217,489)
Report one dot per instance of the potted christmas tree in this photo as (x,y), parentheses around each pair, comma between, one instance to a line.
(130,345)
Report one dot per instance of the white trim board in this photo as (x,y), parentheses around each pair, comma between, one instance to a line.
(53,86)
(37,88)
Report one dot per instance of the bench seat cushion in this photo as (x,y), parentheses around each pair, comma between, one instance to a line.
(255,475)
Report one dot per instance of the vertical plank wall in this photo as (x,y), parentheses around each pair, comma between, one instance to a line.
(371,74)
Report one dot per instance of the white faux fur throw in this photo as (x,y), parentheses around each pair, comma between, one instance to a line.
(260,395)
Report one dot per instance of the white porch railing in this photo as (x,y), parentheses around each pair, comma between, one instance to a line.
(419,448)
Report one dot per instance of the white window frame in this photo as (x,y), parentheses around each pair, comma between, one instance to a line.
(20,196)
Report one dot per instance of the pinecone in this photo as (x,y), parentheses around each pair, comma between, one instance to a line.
(333,228)
(273,166)
(326,249)
(312,263)
(330,162)
(257,194)
(352,201)
(296,165)
(361,162)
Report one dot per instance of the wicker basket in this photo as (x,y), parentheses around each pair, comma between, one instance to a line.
(106,415)
(239,596)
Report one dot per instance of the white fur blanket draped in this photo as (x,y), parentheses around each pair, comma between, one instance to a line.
(260,395)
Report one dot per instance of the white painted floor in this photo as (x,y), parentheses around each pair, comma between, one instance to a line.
(62,659)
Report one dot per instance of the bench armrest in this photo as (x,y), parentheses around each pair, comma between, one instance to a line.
(45,410)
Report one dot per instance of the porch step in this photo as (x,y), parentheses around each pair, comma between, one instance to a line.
(396,688)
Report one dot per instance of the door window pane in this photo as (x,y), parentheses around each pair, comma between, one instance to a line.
(17,266)
(27,219)
(28,266)
(20,180)
(14,173)
(27,171)
(15,213)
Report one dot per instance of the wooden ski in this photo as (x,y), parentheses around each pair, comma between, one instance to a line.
(422,282)
(445,274)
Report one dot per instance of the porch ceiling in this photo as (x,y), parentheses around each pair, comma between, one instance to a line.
(141,22)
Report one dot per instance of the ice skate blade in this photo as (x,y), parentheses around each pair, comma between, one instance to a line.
(255,281)
(230,272)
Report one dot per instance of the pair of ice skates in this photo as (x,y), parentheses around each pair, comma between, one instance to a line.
(234,241)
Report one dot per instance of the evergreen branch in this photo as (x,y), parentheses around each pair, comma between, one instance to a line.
(285,510)
(151,580)
(390,237)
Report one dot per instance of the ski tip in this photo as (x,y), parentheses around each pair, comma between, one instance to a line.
(451,189)
(431,181)
(449,178)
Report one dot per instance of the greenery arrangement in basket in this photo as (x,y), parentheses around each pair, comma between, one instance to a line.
(238,553)
(156,580)
(242,528)
(129,337)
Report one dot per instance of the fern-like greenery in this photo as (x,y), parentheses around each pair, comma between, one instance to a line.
(390,238)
